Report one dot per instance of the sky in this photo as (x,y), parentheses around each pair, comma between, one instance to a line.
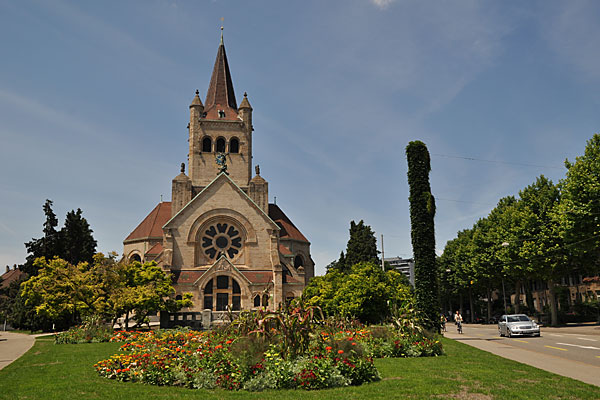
(94,103)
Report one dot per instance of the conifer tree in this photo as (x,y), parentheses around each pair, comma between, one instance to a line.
(362,245)
(48,246)
(422,212)
(78,244)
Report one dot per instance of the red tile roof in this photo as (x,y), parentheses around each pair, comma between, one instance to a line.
(155,250)
(186,276)
(11,276)
(284,250)
(258,276)
(151,226)
(288,229)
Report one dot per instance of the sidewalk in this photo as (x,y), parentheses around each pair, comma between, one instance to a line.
(13,346)
(560,366)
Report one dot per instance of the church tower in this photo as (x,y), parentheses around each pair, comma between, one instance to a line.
(219,127)
(219,237)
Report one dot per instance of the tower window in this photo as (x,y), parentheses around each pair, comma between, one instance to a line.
(135,257)
(234,146)
(206,145)
(220,145)
(221,114)
(298,261)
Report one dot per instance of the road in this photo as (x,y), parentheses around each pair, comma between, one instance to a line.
(568,351)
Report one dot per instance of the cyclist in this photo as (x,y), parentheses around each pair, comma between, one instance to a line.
(458,319)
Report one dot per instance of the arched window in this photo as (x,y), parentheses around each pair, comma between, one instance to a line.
(257,301)
(206,145)
(135,257)
(285,274)
(227,293)
(298,261)
(265,300)
(220,145)
(234,146)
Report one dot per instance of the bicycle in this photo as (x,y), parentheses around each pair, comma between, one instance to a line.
(459,327)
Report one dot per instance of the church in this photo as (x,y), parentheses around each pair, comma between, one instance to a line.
(218,236)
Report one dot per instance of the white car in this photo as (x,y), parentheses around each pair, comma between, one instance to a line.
(517,324)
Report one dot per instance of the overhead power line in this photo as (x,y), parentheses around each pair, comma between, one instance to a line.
(496,161)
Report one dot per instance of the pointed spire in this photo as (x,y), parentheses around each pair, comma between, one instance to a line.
(245,103)
(196,101)
(220,90)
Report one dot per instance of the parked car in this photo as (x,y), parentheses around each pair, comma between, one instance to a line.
(517,324)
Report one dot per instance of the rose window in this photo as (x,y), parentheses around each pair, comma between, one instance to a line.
(221,239)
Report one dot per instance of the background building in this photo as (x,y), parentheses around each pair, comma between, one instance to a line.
(403,265)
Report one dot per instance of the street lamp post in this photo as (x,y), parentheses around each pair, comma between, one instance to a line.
(504,244)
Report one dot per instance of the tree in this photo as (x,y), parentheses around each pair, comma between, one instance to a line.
(422,212)
(77,243)
(361,247)
(63,292)
(144,290)
(578,212)
(365,292)
(48,246)
(543,250)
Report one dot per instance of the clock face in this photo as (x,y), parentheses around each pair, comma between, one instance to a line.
(221,239)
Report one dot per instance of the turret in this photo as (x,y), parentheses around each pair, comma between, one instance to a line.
(181,191)
(258,190)
(245,113)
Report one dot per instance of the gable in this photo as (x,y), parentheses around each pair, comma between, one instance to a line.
(221,194)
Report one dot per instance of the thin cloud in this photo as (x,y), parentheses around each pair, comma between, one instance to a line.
(382,4)
(576,43)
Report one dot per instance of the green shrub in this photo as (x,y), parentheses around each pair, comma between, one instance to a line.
(91,331)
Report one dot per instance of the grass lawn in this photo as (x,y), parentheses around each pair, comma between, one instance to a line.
(50,371)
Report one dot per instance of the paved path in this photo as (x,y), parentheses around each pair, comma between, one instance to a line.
(571,368)
(13,346)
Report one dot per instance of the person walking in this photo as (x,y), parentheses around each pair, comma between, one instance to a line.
(458,319)
(443,321)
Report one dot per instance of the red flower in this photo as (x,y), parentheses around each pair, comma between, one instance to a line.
(340,351)
(328,348)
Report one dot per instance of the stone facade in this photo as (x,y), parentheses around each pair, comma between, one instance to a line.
(219,236)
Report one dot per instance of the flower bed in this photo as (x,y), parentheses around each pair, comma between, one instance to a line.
(251,361)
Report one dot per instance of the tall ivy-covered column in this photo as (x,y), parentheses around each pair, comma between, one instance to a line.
(422,212)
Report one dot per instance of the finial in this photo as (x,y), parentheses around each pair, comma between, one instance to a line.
(197,92)
(245,94)
(182,168)
(257,169)
(222,19)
